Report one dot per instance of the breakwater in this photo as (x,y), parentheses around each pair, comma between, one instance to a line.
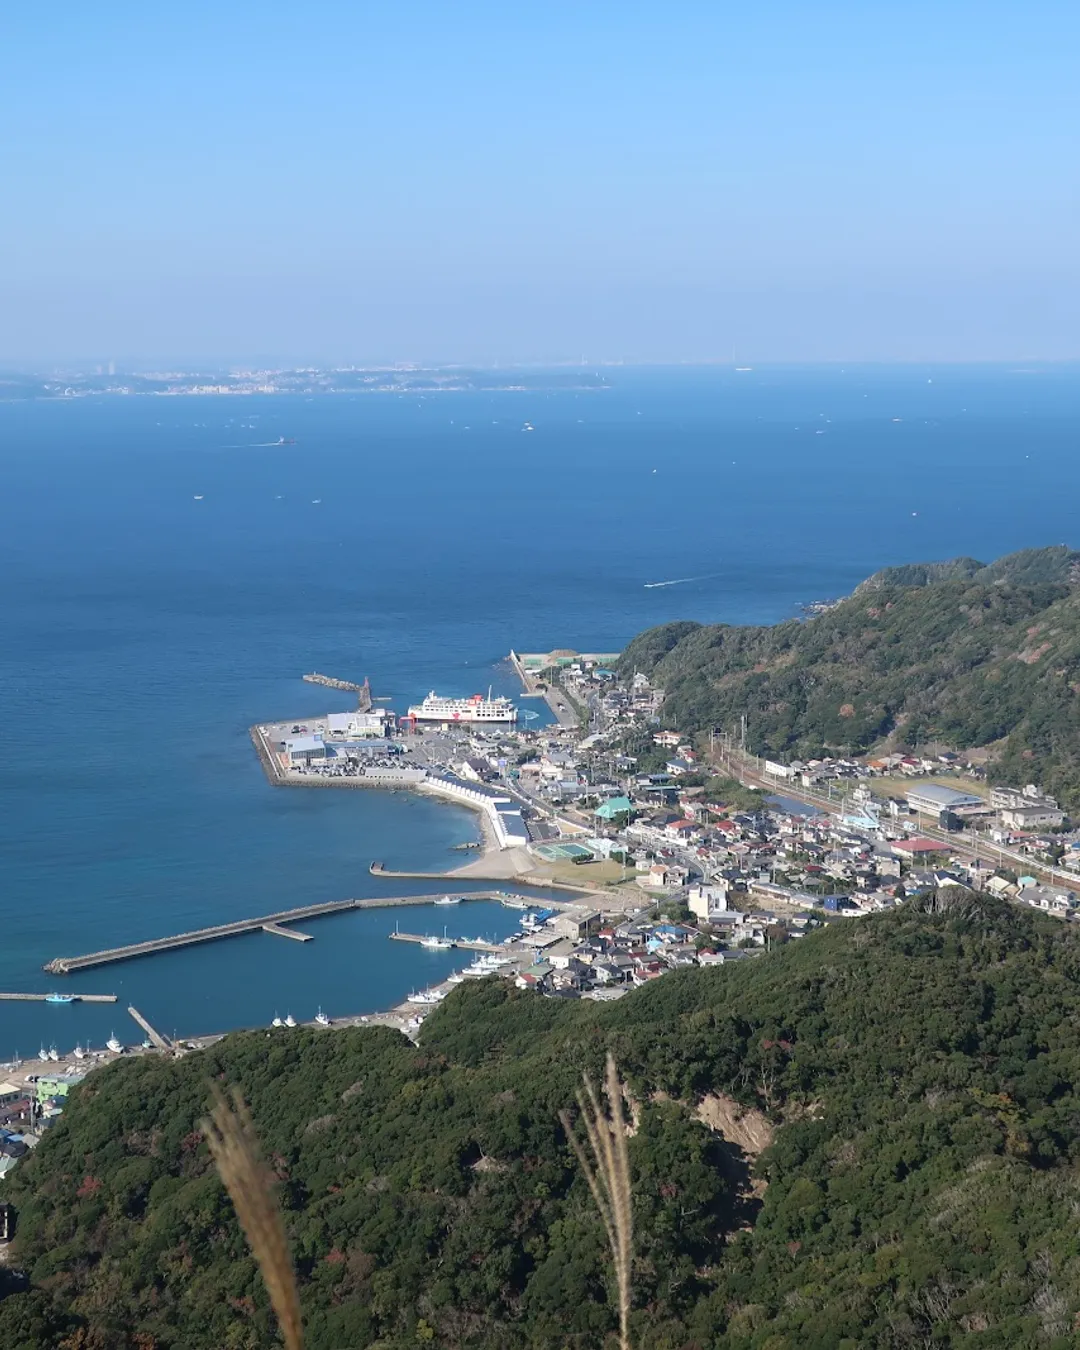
(64,965)
(362,691)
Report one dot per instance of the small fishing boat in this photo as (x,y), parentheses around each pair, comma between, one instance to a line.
(277,1022)
(290,1020)
(114,1045)
(322,1018)
(60,998)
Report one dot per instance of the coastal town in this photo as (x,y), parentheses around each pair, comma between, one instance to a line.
(691,850)
(671,851)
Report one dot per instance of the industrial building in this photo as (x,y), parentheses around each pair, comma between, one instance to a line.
(932,799)
(304,749)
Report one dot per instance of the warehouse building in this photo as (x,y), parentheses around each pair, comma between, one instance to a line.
(932,799)
(304,749)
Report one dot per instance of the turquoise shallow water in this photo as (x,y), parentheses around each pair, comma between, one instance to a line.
(144,631)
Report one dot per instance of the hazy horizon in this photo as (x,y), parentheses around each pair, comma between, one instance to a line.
(700,184)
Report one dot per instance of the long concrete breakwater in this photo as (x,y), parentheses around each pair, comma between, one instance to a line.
(64,965)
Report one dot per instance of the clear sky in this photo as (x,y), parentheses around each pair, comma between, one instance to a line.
(342,180)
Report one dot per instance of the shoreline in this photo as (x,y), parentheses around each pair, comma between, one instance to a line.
(279,778)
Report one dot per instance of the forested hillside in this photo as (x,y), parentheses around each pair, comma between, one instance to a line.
(919,1069)
(967,654)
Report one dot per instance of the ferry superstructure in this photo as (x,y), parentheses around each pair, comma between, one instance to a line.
(477,708)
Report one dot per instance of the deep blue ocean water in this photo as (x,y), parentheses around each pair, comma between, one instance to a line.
(414,540)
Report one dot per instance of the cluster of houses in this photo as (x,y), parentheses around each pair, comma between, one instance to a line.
(601,961)
(28,1109)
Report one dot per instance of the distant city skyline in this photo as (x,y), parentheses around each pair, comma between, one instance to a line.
(482,185)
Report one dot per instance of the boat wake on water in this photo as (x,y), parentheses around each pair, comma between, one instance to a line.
(259,445)
(679,581)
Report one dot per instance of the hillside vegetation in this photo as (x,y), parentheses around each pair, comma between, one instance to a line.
(958,652)
(919,1068)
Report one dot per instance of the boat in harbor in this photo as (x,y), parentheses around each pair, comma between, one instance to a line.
(79,1052)
(480,967)
(114,1045)
(43,1055)
(449,900)
(476,708)
(277,1022)
(427,996)
(290,1020)
(60,998)
(436,944)
(322,1018)
(54,1054)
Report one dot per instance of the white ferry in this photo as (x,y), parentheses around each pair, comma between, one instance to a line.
(477,708)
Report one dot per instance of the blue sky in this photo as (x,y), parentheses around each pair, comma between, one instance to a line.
(539,181)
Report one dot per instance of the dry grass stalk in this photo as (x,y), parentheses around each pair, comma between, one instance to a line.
(234,1146)
(608,1175)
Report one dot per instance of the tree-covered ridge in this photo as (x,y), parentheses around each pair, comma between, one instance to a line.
(922,1186)
(1031,566)
(989,656)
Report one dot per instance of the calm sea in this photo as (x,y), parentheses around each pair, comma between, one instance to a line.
(167,578)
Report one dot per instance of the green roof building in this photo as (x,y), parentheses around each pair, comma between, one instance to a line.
(613,807)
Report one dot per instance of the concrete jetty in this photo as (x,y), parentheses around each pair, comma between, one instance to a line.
(64,965)
(155,1037)
(362,691)
(465,944)
(278,931)
(77,998)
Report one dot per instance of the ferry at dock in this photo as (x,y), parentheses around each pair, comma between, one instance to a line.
(476,708)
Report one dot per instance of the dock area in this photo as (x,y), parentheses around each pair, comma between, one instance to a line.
(64,965)
(155,1037)
(75,998)
(463,944)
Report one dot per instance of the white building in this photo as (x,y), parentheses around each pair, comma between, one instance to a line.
(357,723)
(707,902)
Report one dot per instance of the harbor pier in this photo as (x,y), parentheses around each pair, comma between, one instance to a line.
(64,965)
(155,1037)
(465,944)
(75,998)
(278,931)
